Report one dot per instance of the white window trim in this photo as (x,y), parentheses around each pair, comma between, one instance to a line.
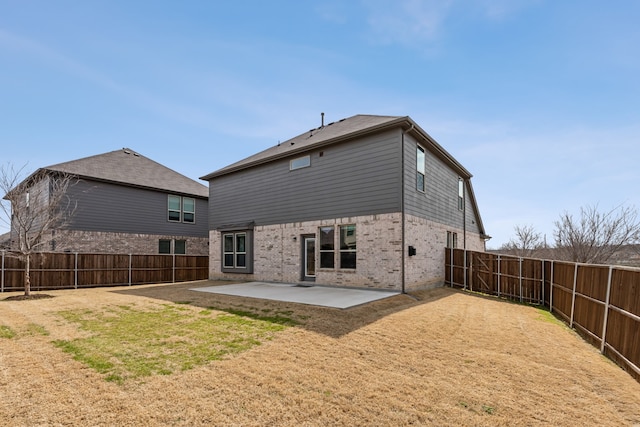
(424,169)
(300,162)
(169,210)
(180,211)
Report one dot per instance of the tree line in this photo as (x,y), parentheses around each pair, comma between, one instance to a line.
(595,237)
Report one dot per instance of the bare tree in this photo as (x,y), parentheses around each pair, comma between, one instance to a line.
(525,243)
(596,236)
(33,208)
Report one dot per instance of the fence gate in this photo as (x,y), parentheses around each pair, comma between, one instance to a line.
(481,274)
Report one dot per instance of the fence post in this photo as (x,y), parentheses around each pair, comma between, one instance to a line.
(606,311)
(499,276)
(471,271)
(464,268)
(542,293)
(173,273)
(573,295)
(551,287)
(75,272)
(451,266)
(130,263)
(2,279)
(520,274)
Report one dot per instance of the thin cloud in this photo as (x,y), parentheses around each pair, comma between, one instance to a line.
(408,22)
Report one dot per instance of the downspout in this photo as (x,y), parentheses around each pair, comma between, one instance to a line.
(402,213)
(464,214)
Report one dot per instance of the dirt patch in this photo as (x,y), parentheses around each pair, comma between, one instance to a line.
(440,358)
(30,297)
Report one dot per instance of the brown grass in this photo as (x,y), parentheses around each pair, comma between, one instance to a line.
(438,357)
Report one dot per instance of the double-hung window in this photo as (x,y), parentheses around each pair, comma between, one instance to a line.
(460,194)
(452,239)
(175,208)
(420,168)
(188,210)
(169,246)
(327,247)
(181,209)
(348,246)
(346,239)
(234,250)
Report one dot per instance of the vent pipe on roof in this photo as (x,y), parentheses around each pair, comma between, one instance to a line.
(322,120)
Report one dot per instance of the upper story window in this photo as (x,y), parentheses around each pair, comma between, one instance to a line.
(420,168)
(188,209)
(181,209)
(460,193)
(300,162)
(175,208)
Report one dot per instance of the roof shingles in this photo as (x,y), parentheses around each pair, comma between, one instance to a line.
(131,168)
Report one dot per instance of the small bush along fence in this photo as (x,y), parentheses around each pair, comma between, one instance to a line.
(54,270)
(600,302)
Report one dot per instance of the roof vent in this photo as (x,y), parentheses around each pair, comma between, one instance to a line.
(322,120)
(126,151)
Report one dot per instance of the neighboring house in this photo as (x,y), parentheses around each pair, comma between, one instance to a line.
(367,201)
(5,241)
(127,203)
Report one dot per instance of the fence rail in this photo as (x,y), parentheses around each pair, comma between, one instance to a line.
(601,302)
(54,270)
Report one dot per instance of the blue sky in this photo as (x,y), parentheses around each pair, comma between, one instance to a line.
(540,100)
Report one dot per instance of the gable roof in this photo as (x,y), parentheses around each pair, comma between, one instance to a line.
(351,128)
(130,168)
(340,131)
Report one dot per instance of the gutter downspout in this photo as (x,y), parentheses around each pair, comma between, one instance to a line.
(464,214)
(402,213)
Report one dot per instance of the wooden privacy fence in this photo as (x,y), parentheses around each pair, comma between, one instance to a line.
(601,302)
(54,270)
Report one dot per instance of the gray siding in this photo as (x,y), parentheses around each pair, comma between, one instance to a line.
(439,202)
(357,178)
(120,209)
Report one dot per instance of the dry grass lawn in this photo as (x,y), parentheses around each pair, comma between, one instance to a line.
(438,357)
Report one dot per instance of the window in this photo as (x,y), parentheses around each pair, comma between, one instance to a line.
(420,168)
(234,250)
(300,162)
(175,208)
(327,258)
(164,246)
(452,239)
(182,209)
(348,246)
(180,247)
(460,194)
(188,210)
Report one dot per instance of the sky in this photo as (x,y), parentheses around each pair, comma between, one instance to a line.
(539,100)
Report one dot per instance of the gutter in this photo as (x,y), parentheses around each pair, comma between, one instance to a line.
(402,212)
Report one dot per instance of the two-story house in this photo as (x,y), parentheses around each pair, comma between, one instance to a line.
(125,202)
(367,201)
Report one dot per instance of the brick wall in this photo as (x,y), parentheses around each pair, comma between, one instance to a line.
(426,268)
(278,253)
(102,242)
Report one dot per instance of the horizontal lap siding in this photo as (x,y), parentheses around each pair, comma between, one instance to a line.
(439,202)
(120,209)
(352,179)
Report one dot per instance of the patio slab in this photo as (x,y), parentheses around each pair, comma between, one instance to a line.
(313,295)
